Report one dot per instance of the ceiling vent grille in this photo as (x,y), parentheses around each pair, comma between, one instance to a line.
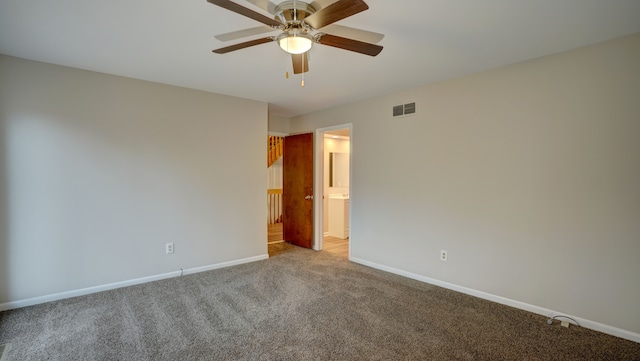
(404,109)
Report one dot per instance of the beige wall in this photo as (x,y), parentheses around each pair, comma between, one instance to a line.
(528,176)
(99,172)
(278,124)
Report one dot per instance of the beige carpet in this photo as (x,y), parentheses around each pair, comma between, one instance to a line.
(297,305)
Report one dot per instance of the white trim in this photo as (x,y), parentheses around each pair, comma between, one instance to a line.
(318,189)
(618,332)
(331,136)
(111,286)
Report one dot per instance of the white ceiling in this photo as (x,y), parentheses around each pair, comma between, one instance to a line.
(170,41)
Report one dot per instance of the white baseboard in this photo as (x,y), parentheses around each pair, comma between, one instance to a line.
(111,286)
(614,331)
(225,264)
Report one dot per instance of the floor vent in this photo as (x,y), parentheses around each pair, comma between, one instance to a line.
(4,352)
(404,109)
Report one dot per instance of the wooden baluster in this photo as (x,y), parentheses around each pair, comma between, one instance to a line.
(274,197)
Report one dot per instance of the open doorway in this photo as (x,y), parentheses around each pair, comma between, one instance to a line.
(274,187)
(333,188)
(296,194)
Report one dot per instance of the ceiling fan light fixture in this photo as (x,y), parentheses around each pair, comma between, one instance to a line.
(295,42)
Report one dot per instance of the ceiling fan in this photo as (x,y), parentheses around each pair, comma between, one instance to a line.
(299,23)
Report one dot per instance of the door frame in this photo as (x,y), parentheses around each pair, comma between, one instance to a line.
(318,183)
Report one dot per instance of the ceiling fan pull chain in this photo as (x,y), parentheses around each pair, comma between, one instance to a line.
(286,68)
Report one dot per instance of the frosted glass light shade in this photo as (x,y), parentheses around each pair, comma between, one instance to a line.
(295,43)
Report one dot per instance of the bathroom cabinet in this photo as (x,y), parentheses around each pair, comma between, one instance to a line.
(339,217)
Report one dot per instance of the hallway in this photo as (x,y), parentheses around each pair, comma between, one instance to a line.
(337,246)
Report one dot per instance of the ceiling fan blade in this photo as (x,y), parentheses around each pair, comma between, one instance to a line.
(349,44)
(229,5)
(246,44)
(265,5)
(300,63)
(353,33)
(235,35)
(319,4)
(334,12)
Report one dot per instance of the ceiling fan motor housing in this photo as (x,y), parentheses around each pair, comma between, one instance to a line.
(289,11)
(295,37)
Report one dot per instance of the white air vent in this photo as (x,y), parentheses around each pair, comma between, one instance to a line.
(404,109)
(398,110)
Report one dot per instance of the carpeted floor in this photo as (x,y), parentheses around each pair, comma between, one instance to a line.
(297,305)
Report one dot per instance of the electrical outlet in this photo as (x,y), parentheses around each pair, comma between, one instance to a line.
(169,248)
(443,255)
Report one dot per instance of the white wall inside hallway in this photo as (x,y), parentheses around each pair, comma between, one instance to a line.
(332,145)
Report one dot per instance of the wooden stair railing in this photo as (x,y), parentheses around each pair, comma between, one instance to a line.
(275,145)
(274,201)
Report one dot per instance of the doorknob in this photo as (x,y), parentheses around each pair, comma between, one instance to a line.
(308,197)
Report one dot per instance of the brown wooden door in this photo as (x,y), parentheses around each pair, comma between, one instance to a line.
(297,190)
